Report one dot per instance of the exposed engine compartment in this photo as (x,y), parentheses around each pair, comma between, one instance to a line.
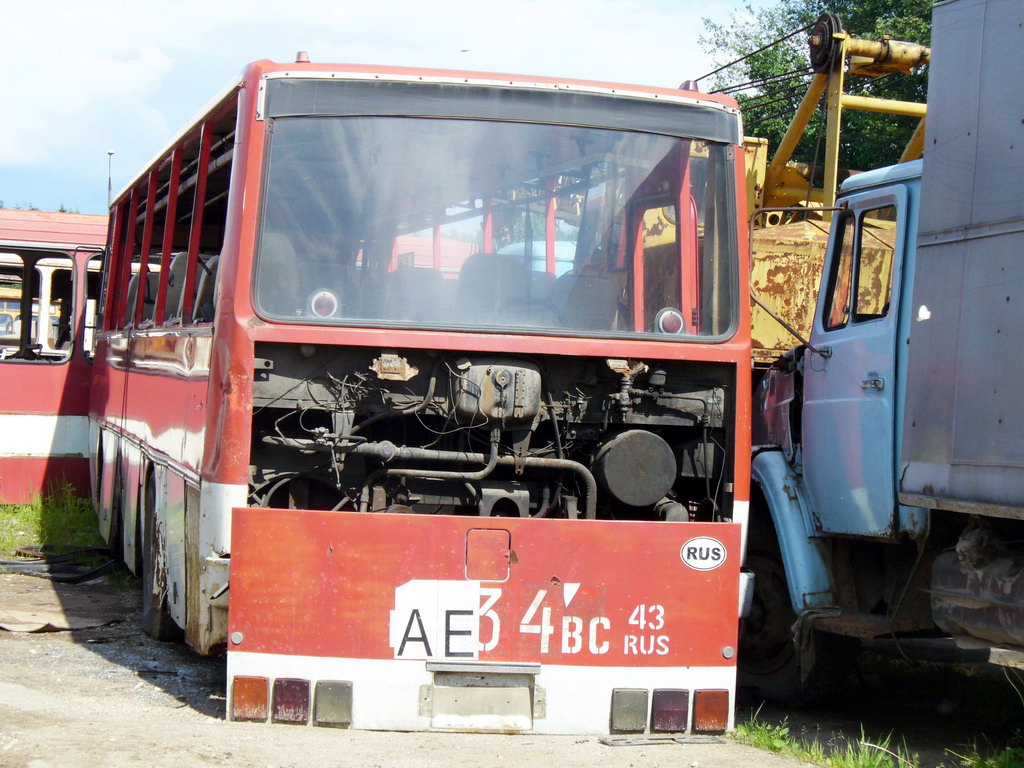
(439,432)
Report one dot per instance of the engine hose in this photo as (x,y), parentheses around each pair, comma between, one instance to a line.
(418,408)
(388,451)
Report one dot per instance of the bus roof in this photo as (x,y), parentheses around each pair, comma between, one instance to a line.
(498,79)
(51,229)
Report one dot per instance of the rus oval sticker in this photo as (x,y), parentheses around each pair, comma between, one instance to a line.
(703,553)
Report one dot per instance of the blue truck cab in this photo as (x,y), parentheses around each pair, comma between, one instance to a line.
(827,428)
(888,493)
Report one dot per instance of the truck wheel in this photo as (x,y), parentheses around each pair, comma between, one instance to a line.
(156,620)
(768,660)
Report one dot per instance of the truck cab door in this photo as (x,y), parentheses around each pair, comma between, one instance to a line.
(849,385)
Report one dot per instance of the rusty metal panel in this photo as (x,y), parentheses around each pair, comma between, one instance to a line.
(193,595)
(787,263)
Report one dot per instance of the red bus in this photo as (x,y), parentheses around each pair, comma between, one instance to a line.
(427,394)
(47,306)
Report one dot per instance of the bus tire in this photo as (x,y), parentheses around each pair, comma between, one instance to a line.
(116,541)
(156,620)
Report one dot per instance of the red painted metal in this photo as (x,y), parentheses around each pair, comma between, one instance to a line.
(549,230)
(324,584)
(488,227)
(147,244)
(638,270)
(170,216)
(436,252)
(58,229)
(125,264)
(686,217)
(24,479)
(118,214)
(195,236)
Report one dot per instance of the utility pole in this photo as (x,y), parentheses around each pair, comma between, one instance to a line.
(110,188)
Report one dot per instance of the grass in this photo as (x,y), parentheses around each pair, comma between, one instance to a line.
(862,753)
(59,521)
(776,737)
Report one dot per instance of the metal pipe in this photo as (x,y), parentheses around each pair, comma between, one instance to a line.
(885,106)
(443,474)
(387,451)
(794,132)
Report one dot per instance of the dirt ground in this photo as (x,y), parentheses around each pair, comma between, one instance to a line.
(104,694)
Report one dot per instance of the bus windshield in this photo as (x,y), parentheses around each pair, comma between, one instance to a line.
(486,225)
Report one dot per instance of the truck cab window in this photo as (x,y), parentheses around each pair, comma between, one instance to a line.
(877,242)
(837,310)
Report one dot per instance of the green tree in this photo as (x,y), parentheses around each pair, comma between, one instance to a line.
(868,140)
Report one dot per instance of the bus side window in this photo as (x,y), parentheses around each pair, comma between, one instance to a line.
(205,305)
(36,299)
(213,206)
(11,284)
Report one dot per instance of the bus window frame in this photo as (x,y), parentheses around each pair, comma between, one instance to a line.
(35,256)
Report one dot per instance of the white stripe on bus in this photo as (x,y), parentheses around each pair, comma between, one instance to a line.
(42,435)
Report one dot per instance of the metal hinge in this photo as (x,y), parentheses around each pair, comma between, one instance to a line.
(877,384)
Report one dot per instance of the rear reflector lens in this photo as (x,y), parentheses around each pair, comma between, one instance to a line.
(332,705)
(291,700)
(669,321)
(324,304)
(629,710)
(670,710)
(249,698)
(710,711)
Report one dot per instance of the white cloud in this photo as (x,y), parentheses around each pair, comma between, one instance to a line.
(81,76)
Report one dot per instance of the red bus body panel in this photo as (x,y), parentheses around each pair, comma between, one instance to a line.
(324,584)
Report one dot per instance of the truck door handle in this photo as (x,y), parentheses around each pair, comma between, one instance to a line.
(876,384)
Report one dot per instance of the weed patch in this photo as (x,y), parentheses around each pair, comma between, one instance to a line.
(58,522)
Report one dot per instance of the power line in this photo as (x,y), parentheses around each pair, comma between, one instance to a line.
(767,80)
(772,97)
(754,53)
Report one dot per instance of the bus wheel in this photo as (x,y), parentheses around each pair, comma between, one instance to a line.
(156,620)
(116,540)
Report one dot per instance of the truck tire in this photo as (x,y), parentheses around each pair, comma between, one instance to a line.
(768,660)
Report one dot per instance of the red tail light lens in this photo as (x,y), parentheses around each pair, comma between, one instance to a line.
(710,711)
(291,701)
(670,710)
(669,321)
(324,304)
(249,698)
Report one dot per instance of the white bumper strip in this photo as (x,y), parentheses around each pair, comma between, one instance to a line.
(386,693)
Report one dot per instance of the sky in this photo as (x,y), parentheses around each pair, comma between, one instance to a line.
(79,78)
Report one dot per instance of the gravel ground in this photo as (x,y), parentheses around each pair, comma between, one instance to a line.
(109,696)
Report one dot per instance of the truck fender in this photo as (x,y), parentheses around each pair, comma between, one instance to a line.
(804,557)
